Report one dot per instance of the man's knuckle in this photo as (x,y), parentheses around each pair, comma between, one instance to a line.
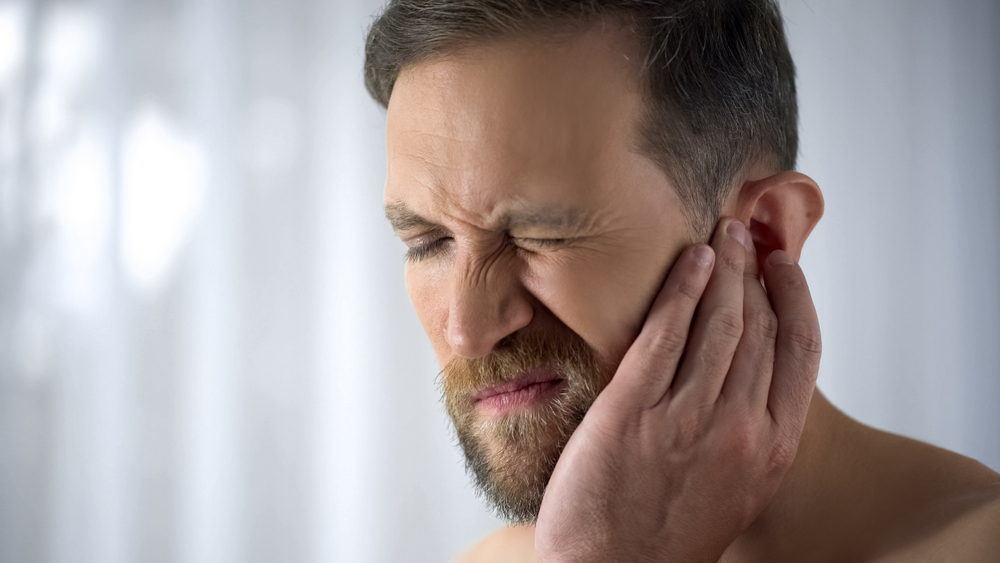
(688,431)
(667,341)
(743,444)
(690,288)
(765,323)
(805,337)
(733,262)
(727,321)
(781,456)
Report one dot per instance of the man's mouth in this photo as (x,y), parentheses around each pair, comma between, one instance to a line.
(526,390)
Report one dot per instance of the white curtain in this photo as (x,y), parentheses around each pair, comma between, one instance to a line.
(206,349)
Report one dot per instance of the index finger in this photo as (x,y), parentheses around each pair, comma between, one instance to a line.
(650,364)
(798,345)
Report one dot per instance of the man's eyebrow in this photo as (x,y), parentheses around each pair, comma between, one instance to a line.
(402,218)
(555,218)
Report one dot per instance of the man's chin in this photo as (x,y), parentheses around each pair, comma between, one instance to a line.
(515,409)
(512,459)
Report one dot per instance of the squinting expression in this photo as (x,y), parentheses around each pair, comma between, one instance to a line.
(534,229)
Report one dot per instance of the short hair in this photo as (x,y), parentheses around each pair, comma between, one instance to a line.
(720,81)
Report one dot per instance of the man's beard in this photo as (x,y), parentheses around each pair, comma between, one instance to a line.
(512,455)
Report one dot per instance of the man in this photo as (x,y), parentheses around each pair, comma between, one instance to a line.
(623,391)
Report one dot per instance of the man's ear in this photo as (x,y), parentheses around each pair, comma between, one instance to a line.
(780,211)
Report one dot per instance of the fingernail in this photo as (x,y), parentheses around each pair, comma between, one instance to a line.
(779,257)
(738,232)
(703,255)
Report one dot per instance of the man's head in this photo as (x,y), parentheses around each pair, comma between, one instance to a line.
(718,81)
(547,163)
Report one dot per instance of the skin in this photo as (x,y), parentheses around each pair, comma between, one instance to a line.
(512,172)
(452,164)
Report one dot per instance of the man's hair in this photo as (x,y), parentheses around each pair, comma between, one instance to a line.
(720,81)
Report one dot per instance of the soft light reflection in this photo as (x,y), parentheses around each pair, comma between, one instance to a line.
(71,45)
(82,211)
(163,184)
(12,24)
(70,54)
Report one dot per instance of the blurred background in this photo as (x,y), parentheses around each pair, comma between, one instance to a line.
(206,349)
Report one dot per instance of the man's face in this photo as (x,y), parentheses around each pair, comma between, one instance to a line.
(537,237)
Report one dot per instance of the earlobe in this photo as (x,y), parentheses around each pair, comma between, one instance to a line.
(780,211)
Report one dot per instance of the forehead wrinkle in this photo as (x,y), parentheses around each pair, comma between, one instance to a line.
(486,146)
(445,211)
(463,189)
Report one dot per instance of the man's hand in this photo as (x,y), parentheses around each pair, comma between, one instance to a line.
(692,437)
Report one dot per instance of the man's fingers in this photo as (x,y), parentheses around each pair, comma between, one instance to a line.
(749,376)
(798,347)
(719,326)
(648,368)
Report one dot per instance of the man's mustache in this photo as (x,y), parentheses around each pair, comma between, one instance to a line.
(563,351)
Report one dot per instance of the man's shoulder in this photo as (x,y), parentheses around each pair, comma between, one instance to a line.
(963,528)
(510,544)
(955,510)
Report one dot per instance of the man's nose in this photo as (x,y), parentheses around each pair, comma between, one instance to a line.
(485,306)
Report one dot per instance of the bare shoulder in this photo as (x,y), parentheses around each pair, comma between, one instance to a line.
(964,529)
(953,513)
(510,544)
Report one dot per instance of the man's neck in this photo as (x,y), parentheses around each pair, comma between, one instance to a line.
(810,496)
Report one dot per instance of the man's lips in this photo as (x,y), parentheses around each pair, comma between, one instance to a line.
(520,392)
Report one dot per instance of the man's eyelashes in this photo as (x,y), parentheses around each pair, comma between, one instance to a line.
(423,251)
(427,250)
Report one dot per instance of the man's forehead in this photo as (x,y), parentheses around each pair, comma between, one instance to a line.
(505,123)
(593,73)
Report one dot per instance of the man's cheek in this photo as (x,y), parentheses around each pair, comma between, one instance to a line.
(605,308)
(430,301)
